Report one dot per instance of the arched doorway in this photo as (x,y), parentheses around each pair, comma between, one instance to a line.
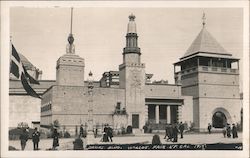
(219,120)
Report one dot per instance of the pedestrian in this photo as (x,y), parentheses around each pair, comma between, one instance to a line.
(166,131)
(209,127)
(170,132)
(105,134)
(175,133)
(228,131)
(78,143)
(55,137)
(96,132)
(24,138)
(110,133)
(145,128)
(35,138)
(224,131)
(181,129)
(234,131)
(156,139)
(81,130)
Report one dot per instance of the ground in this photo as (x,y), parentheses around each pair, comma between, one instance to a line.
(67,143)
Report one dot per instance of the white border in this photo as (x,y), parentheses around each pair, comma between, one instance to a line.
(5,6)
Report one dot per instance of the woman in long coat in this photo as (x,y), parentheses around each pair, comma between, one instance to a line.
(55,137)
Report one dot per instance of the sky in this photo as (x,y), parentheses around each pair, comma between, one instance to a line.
(40,34)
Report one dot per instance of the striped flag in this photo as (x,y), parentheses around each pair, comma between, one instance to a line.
(19,71)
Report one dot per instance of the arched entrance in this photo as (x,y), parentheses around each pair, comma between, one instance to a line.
(219,120)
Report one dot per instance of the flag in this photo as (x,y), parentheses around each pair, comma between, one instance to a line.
(19,71)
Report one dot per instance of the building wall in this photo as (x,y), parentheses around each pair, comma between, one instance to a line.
(23,108)
(172,91)
(70,105)
(70,70)
(208,106)
(134,75)
(186,110)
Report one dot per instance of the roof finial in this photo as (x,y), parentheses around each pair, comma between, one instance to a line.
(71,47)
(204,19)
(71,38)
(131,17)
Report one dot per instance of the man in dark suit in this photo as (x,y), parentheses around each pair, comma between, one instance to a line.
(181,128)
(35,139)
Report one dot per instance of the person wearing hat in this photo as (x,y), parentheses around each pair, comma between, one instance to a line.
(234,131)
(35,139)
(55,137)
(24,138)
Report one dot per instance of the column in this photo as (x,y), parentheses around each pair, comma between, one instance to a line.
(146,113)
(168,114)
(157,114)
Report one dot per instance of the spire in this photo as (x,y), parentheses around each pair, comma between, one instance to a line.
(205,43)
(203,19)
(131,24)
(131,37)
(71,47)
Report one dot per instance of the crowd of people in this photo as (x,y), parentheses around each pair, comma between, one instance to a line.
(229,131)
(171,134)
(172,130)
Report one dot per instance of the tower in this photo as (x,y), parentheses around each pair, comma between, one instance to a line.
(70,67)
(211,75)
(132,78)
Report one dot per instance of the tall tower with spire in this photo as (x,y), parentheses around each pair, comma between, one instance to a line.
(70,67)
(211,75)
(132,77)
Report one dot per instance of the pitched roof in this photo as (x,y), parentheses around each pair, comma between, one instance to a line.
(26,63)
(205,43)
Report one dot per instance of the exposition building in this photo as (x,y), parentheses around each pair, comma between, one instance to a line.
(206,90)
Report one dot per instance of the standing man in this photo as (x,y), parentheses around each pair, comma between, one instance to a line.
(181,128)
(24,138)
(234,131)
(35,139)
(81,130)
(209,128)
(228,131)
(55,137)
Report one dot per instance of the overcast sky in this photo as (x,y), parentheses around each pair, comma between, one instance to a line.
(164,35)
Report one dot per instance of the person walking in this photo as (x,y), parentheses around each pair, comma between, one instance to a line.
(209,127)
(105,134)
(35,139)
(55,137)
(175,133)
(234,131)
(110,133)
(166,131)
(24,138)
(181,128)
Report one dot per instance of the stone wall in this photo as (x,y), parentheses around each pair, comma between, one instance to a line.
(169,91)
(208,106)
(23,108)
(70,105)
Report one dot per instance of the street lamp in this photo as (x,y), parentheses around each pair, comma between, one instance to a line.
(90,134)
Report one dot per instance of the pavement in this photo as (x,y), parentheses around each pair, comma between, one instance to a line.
(67,143)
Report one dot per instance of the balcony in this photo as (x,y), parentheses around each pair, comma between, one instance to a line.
(207,69)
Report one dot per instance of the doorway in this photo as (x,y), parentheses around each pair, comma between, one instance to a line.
(219,120)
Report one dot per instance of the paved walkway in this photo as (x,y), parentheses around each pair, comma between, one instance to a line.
(67,143)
